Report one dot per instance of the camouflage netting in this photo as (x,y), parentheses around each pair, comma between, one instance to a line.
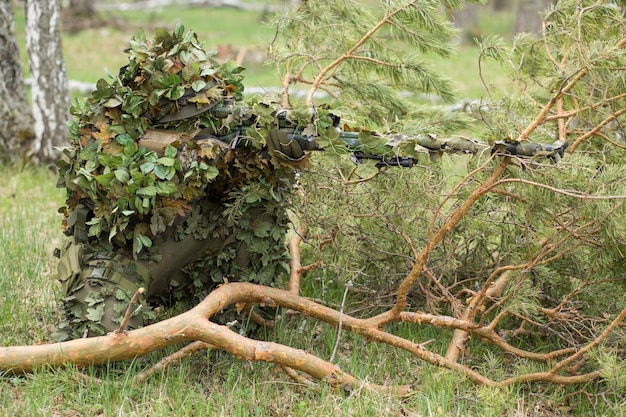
(140,215)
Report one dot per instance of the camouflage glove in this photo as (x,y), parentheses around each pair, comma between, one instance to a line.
(289,149)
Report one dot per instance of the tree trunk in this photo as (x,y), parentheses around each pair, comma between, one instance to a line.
(528,17)
(499,5)
(49,90)
(16,120)
(466,19)
(80,15)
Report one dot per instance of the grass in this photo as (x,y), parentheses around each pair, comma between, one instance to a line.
(214,27)
(215,383)
(29,204)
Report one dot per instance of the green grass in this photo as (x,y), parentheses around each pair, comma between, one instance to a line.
(93,53)
(213,26)
(216,383)
(29,230)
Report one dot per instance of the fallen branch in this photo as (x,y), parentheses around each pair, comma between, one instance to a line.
(195,326)
(460,336)
(296,265)
(301,379)
(188,350)
(486,333)
(129,310)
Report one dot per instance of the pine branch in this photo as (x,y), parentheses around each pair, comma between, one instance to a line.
(349,54)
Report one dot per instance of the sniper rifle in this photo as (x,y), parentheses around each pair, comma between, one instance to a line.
(292,142)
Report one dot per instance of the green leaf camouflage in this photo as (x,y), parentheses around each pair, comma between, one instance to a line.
(156,198)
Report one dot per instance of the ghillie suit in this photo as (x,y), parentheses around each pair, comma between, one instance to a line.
(155,200)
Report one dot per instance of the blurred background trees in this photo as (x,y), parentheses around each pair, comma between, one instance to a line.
(527,15)
(16,120)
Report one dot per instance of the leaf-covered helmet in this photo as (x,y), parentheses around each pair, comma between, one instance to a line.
(170,81)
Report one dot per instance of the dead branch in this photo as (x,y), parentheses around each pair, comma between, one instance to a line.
(571,113)
(486,333)
(188,350)
(460,336)
(597,128)
(434,240)
(296,265)
(195,326)
(129,310)
(552,376)
(257,318)
(301,379)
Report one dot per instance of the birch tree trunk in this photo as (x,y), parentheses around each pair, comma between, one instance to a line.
(49,90)
(16,120)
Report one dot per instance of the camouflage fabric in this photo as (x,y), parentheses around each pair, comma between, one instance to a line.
(156,200)
(207,250)
(98,288)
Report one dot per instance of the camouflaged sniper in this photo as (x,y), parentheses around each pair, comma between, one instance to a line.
(175,185)
(175,216)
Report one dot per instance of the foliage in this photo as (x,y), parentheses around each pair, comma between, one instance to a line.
(371,216)
(558,227)
(134,198)
(121,180)
(216,382)
(230,187)
(364,53)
